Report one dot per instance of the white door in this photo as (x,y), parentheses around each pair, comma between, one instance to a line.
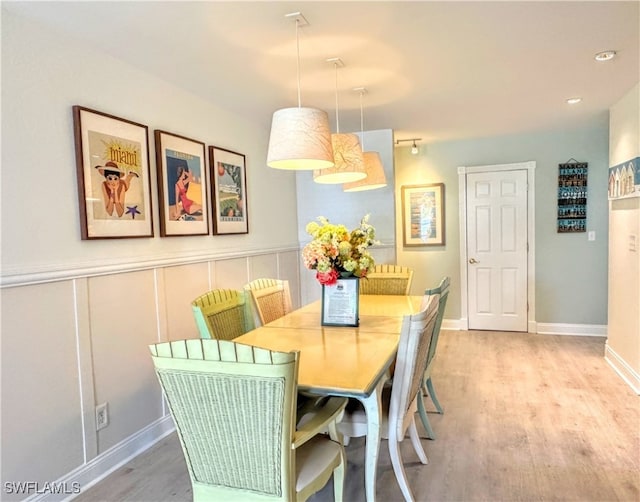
(497,250)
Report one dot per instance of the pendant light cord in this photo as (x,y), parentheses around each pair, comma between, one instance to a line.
(298,62)
(361,120)
(337,119)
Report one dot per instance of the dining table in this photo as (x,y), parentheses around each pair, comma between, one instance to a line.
(342,360)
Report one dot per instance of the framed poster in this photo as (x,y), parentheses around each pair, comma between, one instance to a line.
(572,197)
(423,215)
(229,192)
(112,162)
(340,303)
(181,167)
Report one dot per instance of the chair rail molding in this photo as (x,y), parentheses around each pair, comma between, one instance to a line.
(22,276)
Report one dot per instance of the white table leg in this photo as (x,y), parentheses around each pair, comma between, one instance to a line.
(373,409)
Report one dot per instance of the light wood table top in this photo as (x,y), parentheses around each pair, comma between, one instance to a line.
(339,360)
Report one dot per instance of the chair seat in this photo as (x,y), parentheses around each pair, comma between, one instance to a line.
(319,454)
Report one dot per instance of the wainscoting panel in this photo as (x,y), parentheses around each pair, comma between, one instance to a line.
(288,270)
(231,273)
(182,285)
(263,266)
(41,405)
(123,324)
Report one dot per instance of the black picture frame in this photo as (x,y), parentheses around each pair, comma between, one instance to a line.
(340,303)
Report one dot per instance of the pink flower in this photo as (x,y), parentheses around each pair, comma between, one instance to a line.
(327,278)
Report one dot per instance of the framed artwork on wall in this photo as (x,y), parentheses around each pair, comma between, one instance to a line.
(423,215)
(229,192)
(181,166)
(112,161)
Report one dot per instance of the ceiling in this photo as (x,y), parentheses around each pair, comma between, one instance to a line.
(433,70)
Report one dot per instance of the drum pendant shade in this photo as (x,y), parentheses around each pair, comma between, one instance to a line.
(348,159)
(375,175)
(300,139)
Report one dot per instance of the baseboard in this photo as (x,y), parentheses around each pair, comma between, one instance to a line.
(626,372)
(541,328)
(452,324)
(100,467)
(544,328)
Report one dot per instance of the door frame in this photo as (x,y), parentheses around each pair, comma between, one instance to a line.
(530,167)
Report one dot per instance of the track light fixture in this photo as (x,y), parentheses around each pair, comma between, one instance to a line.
(414,147)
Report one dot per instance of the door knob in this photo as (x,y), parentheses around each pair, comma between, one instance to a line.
(473,260)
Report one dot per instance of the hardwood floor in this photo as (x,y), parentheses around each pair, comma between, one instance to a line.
(527,418)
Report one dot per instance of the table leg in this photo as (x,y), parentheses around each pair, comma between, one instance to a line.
(373,409)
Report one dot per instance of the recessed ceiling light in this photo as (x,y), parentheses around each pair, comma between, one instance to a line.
(605,55)
(573,101)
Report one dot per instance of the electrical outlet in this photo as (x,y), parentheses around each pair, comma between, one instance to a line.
(102,416)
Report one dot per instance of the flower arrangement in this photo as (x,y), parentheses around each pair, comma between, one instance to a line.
(335,252)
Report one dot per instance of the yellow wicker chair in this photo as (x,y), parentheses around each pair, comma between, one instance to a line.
(234,409)
(387,280)
(271,299)
(399,402)
(223,314)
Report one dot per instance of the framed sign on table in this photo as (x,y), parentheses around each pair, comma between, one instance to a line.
(340,303)
(181,166)
(112,162)
(229,192)
(423,215)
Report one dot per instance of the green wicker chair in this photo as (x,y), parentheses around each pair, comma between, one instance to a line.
(223,314)
(234,409)
(387,280)
(443,293)
(399,401)
(271,299)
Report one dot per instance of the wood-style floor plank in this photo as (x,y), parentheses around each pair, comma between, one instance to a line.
(527,418)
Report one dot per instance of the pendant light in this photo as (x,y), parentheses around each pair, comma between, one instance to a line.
(347,154)
(300,137)
(372,163)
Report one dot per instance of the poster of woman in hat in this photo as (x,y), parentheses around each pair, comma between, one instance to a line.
(112,161)
(114,187)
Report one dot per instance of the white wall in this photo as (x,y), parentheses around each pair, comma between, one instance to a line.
(77,316)
(623,344)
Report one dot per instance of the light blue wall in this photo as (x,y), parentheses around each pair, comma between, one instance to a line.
(571,272)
